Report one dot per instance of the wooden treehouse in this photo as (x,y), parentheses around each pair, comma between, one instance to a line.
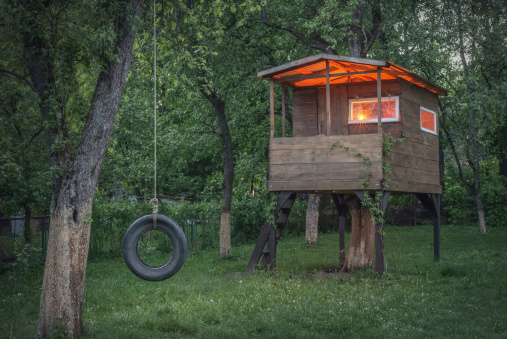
(359,126)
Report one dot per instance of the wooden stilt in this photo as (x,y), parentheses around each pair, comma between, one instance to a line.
(269,235)
(379,236)
(436,226)
(341,207)
(432,203)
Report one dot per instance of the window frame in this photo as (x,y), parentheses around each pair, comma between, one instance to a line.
(371,121)
(434,117)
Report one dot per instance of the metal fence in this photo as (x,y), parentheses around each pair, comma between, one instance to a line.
(107,238)
(14,227)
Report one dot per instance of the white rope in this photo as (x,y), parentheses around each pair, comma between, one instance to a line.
(154,201)
(155,97)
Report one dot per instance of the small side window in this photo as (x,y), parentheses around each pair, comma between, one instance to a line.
(428,121)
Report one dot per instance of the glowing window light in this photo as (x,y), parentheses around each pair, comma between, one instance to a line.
(365,110)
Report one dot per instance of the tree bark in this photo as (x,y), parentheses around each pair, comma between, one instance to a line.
(312,219)
(225,217)
(362,237)
(27,232)
(71,206)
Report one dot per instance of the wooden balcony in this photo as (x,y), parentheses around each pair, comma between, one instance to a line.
(325,164)
(345,163)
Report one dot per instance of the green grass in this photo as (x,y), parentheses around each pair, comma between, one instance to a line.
(462,296)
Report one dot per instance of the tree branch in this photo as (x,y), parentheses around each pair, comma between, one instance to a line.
(378,30)
(19,77)
(317,42)
(213,129)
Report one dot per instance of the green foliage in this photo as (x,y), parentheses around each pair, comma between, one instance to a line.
(111,219)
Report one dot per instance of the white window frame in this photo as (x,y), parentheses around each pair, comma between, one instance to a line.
(368,121)
(420,120)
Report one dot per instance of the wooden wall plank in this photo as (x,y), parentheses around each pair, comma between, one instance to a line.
(413,187)
(327,142)
(320,156)
(401,173)
(304,122)
(419,95)
(370,90)
(339,111)
(329,171)
(321,186)
(412,161)
(304,110)
(321,109)
(415,134)
(387,127)
(411,148)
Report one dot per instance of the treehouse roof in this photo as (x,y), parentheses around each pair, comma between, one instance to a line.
(311,71)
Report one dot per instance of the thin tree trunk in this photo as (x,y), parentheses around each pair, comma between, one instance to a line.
(312,219)
(225,217)
(71,206)
(28,217)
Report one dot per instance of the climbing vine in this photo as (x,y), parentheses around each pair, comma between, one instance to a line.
(373,204)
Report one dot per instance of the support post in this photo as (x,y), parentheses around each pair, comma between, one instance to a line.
(272,106)
(436,226)
(379,237)
(328,101)
(283,111)
(432,203)
(341,207)
(379,100)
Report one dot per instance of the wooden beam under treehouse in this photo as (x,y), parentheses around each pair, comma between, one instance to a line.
(379,100)
(328,101)
(308,77)
(283,110)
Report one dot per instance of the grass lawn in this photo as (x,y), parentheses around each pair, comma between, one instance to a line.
(462,296)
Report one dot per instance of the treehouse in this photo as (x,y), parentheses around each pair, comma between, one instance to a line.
(359,126)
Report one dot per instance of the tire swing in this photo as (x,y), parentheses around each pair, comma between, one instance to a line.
(175,234)
(154,221)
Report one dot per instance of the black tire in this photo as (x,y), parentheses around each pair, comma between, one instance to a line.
(131,256)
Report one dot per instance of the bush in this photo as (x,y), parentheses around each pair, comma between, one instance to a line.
(494,200)
(111,219)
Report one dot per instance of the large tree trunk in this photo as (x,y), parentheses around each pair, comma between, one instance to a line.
(312,219)
(362,237)
(71,206)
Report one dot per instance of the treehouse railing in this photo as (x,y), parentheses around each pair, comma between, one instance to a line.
(326,164)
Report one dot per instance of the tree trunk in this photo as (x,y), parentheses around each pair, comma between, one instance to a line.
(312,219)
(26,228)
(480,213)
(225,217)
(362,237)
(71,206)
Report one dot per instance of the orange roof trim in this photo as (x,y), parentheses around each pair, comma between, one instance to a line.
(311,71)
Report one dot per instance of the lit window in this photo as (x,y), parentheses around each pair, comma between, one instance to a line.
(428,121)
(365,110)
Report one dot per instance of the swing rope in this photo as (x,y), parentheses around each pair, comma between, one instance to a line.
(154,201)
